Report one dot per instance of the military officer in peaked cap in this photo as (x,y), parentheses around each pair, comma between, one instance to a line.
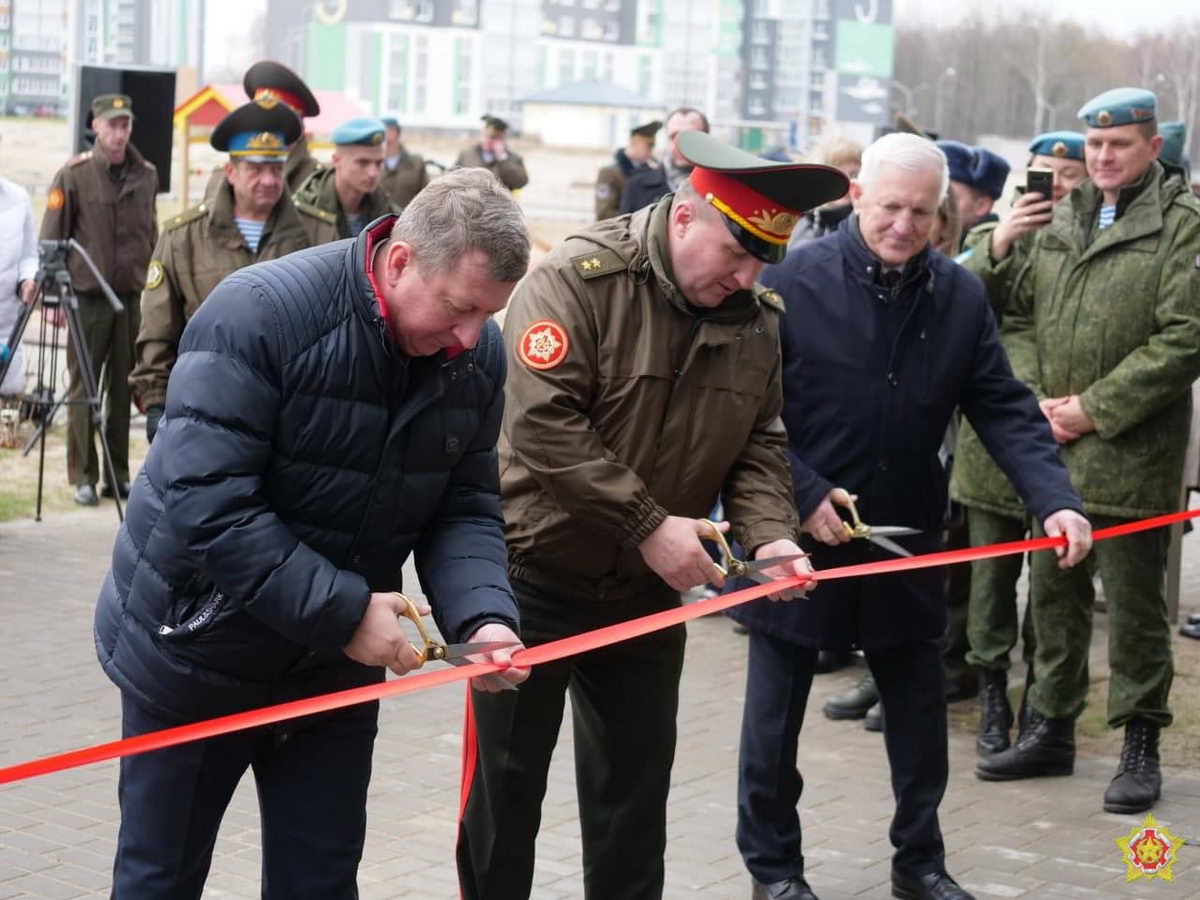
(247,219)
(1104,327)
(104,198)
(492,153)
(404,173)
(644,380)
(341,200)
(274,81)
(636,156)
(998,253)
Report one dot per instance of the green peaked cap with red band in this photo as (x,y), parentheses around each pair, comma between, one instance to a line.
(760,200)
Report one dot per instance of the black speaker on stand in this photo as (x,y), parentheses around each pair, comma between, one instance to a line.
(153,95)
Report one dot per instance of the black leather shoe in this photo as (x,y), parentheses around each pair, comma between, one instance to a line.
(85,495)
(1045,747)
(107,491)
(1138,782)
(873,721)
(832,660)
(855,703)
(995,715)
(788,889)
(934,886)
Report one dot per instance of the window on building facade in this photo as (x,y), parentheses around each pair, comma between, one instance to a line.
(397,84)
(421,75)
(466,12)
(462,76)
(566,66)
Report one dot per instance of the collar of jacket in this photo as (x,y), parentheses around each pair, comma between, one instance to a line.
(221,224)
(653,223)
(629,167)
(866,264)
(1139,212)
(133,160)
(374,204)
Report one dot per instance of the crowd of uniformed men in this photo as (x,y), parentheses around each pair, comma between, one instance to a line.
(651,373)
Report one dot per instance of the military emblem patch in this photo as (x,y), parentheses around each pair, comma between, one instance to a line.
(603,190)
(543,345)
(154,275)
(56,200)
(1149,851)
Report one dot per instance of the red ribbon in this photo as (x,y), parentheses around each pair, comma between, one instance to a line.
(532,656)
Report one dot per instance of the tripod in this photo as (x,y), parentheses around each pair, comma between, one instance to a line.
(55,292)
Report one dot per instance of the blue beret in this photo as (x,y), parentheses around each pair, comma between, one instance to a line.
(974,166)
(1120,106)
(1063,144)
(390,121)
(363,130)
(1174,135)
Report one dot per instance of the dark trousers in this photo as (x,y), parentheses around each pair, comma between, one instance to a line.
(624,700)
(110,338)
(311,776)
(958,597)
(911,685)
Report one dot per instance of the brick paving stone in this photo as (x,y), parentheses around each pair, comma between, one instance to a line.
(1045,838)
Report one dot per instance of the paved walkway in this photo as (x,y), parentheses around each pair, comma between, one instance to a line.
(1043,839)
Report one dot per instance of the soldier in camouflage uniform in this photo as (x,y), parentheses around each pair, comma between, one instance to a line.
(104,198)
(404,174)
(492,153)
(340,201)
(998,252)
(249,218)
(1105,328)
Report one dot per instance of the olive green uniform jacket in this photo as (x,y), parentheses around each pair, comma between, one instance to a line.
(112,219)
(649,408)
(197,249)
(975,479)
(510,170)
(321,210)
(1114,316)
(405,181)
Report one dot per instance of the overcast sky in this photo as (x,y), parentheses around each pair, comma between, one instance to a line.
(228,20)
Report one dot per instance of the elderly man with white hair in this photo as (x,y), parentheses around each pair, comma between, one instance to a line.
(883,338)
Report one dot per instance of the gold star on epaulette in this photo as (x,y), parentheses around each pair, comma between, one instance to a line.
(589,264)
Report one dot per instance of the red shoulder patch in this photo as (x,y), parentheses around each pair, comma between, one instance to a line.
(543,345)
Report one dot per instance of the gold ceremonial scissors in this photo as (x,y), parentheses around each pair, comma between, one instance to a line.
(455,654)
(748,569)
(880,535)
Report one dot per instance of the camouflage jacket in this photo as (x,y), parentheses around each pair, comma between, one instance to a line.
(623,406)
(405,181)
(321,210)
(975,479)
(197,249)
(1114,316)
(510,170)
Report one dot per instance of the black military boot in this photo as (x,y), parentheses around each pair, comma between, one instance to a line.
(1138,782)
(995,715)
(1045,747)
(855,702)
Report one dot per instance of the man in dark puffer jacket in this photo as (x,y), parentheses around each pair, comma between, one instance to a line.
(329,414)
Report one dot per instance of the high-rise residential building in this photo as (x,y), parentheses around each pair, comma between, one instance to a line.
(161,33)
(32,48)
(757,65)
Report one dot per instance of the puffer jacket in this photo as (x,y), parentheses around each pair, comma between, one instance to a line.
(300,460)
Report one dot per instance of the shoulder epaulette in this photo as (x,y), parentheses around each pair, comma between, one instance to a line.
(188,215)
(79,158)
(151,166)
(601,262)
(315,211)
(772,299)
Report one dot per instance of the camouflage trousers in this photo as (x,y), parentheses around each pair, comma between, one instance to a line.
(992,611)
(1132,570)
